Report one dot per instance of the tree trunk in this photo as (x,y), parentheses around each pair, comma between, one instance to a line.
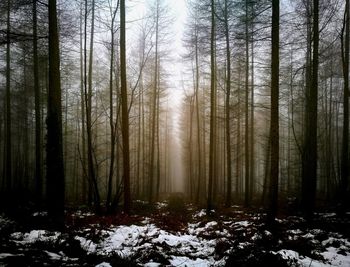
(309,167)
(154,111)
(274,122)
(54,147)
(38,149)
(8,144)
(212,112)
(345,142)
(125,113)
(112,124)
(228,118)
(246,134)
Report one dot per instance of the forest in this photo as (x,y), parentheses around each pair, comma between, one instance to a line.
(174,133)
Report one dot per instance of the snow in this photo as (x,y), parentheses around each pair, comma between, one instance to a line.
(186,262)
(87,245)
(152,264)
(39,214)
(35,236)
(336,259)
(128,240)
(103,264)
(200,214)
(196,245)
(52,255)
(332,257)
(242,223)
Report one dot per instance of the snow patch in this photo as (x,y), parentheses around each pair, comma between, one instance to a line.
(103,264)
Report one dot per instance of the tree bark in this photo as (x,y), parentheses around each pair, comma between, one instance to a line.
(8,144)
(345,142)
(246,134)
(125,113)
(309,167)
(274,122)
(38,148)
(228,118)
(54,147)
(212,112)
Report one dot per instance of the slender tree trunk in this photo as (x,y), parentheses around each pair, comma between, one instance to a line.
(38,148)
(228,118)
(54,147)
(88,106)
(246,134)
(199,150)
(158,143)
(309,167)
(8,157)
(212,112)
(112,124)
(125,113)
(252,144)
(274,122)
(153,107)
(82,82)
(238,144)
(345,142)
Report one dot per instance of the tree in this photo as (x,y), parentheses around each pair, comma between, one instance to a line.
(212,140)
(345,143)
(274,123)
(309,161)
(38,148)
(54,148)
(112,123)
(228,117)
(154,108)
(125,113)
(88,106)
(8,157)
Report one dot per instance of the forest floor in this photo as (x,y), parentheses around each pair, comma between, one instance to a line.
(176,234)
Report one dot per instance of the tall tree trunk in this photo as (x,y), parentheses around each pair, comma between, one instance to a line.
(252,144)
(112,124)
(84,174)
(212,112)
(8,157)
(246,134)
(154,111)
(274,122)
(238,144)
(38,148)
(158,142)
(228,118)
(54,147)
(88,106)
(199,151)
(345,142)
(309,167)
(125,113)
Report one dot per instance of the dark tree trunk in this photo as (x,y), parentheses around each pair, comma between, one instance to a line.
(246,134)
(228,118)
(345,142)
(8,144)
(212,112)
(274,122)
(125,114)
(309,167)
(54,147)
(38,148)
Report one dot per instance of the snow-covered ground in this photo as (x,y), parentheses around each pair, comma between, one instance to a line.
(203,242)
